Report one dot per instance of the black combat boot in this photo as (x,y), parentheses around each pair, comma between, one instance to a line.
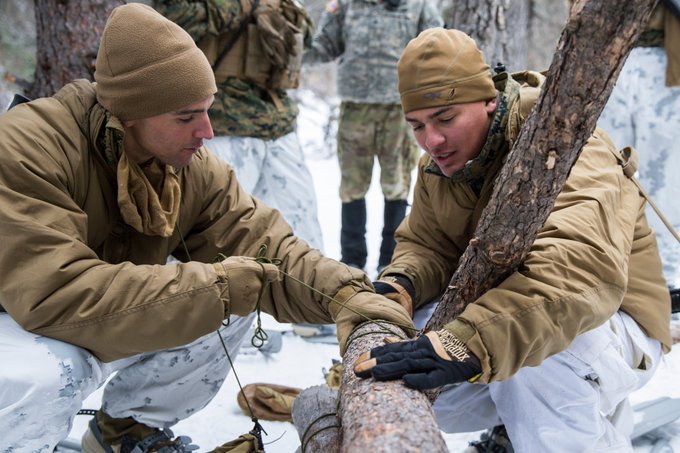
(395,211)
(353,234)
(675,300)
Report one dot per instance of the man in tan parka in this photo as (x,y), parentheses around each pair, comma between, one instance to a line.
(99,184)
(554,350)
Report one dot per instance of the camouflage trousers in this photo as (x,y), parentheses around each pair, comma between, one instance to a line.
(367,131)
(645,114)
(44,382)
(275,172)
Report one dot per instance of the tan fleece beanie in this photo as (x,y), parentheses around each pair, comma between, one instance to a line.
(442,67)
(147,65)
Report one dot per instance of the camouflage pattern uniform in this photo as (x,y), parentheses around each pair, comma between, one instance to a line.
(644,112)
(253,134)
(137,389)
(368,36)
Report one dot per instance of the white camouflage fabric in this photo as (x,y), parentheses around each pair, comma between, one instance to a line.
(275,172)
(644,113)
(59,376)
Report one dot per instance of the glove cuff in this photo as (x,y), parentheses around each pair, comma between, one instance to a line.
(458,351)
(404,282)
(675,300)
(397,288)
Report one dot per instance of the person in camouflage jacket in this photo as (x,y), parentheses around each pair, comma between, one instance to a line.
(367,37)
(255,128)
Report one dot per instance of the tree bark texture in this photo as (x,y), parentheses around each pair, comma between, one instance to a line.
(591,51)
(67,35)
(500,28)
(316,420)
(383,417)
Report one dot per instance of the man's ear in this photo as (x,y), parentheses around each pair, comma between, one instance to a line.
(490,106)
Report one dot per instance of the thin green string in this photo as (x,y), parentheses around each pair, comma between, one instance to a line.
(261,258)
(257,428)
(260,335)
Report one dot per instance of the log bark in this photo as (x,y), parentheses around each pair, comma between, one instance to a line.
(68,34)
(499,27)
(589,56)
(383,417)
(316,420)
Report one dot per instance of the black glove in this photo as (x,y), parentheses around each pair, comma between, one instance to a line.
(675,300)
(434,359)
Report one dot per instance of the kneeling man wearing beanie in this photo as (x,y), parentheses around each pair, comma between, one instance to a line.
(553,351)
(101,184)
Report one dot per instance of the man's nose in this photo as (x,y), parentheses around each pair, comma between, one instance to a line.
(205,130)
(433,138)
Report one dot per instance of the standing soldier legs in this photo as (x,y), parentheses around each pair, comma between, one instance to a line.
(395,210)
(353,233)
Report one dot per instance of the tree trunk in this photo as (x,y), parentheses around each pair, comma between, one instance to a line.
(68,33)
(500,28)
(589,56)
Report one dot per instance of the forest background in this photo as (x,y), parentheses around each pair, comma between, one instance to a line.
(529,30)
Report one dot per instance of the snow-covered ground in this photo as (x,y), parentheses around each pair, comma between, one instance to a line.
(300,363)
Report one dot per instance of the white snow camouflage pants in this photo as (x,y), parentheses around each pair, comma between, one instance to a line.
(645,114)
(275,172)
(574,401)
(43,383)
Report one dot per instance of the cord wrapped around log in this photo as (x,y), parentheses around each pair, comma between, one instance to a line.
(316,420)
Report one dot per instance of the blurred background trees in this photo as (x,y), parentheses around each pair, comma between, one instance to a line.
(46,43)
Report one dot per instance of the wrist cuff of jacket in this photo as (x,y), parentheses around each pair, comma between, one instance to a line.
(458,351)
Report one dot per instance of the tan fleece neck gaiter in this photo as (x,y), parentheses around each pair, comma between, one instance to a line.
(140,204)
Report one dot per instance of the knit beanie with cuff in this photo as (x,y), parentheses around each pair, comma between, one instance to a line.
(147,65)
(442,67)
